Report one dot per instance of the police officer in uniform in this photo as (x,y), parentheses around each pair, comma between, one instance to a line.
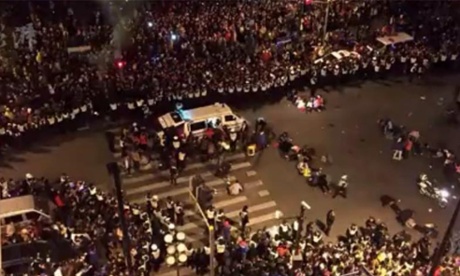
(313,83)
(220,216)
(365,68)
(173,173)
(220,250)
(296,228)
(113,113)
(443,59)
(179,212)
(155,253)
(412,71)
(176,143)
(170,209)
(403,61)
(323,75)
(153,202)
(330,218)
(336,72)
(233,135)
(284,230)
(211,215)
(181,160)
(377,68)
(317,238)
(342,187)
(352,232)
(244,219)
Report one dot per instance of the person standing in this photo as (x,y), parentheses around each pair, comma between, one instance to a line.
(330,218)
(233,135)
(342,187)
(323,182)
(181,160)
(173,174)
(244,219)
(211,215)
(179,210)
(313,82)
(170,208)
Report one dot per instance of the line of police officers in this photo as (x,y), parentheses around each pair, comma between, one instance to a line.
(326,71)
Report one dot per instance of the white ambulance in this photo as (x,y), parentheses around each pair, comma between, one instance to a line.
(195,121)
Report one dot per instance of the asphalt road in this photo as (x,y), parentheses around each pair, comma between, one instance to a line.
(347,131)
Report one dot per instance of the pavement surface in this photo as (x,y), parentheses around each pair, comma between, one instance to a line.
(347,131)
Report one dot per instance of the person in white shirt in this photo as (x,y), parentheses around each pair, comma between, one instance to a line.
(235,188)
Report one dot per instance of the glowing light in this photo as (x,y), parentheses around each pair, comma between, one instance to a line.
(444,193)
(173,37)
(150,24)
(121,64)
(185,115)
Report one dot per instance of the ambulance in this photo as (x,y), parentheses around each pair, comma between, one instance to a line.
(195,121)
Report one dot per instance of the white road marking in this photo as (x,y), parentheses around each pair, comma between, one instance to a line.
(127,180)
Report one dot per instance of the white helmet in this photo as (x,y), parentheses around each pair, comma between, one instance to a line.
(29,176)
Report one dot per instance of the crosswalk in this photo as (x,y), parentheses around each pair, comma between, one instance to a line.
(263,210)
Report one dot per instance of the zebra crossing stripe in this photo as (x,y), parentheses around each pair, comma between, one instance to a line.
(223,191)
(264,218)
(222,204)
(181,191)
(252,209)
(184,179)
(231,201)
(194,166)
(256,220)
(194,226)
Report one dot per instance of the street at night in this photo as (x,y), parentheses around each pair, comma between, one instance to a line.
(347,131)
(229,138)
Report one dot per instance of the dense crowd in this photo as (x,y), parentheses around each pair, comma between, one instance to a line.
(88,219)
(143,54)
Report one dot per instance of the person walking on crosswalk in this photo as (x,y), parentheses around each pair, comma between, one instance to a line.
(244,219)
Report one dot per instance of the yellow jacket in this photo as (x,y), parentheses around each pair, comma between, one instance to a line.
(306,172)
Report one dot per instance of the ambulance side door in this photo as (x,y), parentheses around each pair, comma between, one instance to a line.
(197,128)
(231,122)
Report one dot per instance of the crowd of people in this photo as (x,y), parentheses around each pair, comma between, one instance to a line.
(89,220)
(143,54)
